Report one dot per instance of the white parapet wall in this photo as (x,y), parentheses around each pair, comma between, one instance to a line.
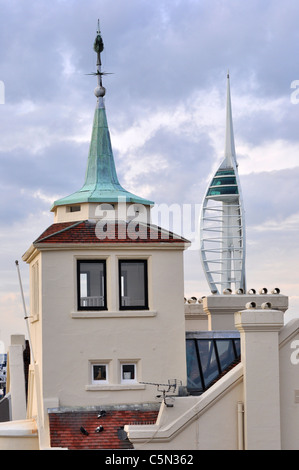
(216,312)
(204,422)
(254,406)
(17,377)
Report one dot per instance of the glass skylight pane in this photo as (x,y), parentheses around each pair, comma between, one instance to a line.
(194,379)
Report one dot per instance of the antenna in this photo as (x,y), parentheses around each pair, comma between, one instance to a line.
(25,312)
(166,388)
(35,367)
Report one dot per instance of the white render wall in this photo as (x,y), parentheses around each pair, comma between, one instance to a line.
(244,409)
(260,357)
(289,384)
(65,340)
(96,211)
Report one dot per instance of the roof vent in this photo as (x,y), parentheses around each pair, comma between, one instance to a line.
(251,291)
(275,291)
(264,290)
(266,305)
(250,305)
(240,291)
(227,291)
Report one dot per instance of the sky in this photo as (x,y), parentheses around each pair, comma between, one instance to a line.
(165,104)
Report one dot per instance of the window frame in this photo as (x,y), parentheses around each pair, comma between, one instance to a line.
(100,382)
(88,308)
(146,302)
(35,280)
(73,208)
(128,381)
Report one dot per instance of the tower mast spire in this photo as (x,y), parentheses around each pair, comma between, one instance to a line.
(229,152)
(222,224)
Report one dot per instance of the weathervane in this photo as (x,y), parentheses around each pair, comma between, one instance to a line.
(98,47)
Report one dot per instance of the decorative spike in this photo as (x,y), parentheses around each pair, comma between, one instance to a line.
(229,152)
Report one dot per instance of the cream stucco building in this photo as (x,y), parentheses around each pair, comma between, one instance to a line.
(109,329)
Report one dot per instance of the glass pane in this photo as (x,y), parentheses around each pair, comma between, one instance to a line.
(193,374)
(92,284)
(225,172)
(208,360)
(128,372)
(83,284)
(223,190)
(238,347)
(133,284)
(100,372)
(225,352)
(224,181)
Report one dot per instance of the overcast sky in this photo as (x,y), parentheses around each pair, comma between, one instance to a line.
(165,105)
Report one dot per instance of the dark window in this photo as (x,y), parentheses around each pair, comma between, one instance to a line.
(91,285)
(74,208)
(207,359)
(99,373)
(133,293)
(224,181)
(128,372)
(223,190)
(194,374)
(225,172)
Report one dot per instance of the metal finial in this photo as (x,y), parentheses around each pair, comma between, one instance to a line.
(98,43)
(98,48)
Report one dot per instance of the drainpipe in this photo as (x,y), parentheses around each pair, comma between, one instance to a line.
(240,425)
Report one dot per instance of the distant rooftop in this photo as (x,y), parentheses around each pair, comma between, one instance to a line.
(87,231)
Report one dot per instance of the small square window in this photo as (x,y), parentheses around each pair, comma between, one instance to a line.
(73,208)
(133,288)
(128,373)
(99,373)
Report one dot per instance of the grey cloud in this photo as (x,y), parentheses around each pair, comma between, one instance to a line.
(270,195)
(161,53)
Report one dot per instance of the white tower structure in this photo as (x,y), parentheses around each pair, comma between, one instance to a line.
(222,224)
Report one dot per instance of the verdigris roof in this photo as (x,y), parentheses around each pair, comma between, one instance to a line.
(101,181)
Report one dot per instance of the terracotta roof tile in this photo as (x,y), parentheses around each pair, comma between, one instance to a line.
(109,232)
(65,428)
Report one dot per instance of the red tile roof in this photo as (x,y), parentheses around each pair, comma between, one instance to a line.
(93,232)
(67,429)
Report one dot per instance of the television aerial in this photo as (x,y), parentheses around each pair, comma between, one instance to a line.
(170,387)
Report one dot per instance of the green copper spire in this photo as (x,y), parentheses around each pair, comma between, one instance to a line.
(101,182)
